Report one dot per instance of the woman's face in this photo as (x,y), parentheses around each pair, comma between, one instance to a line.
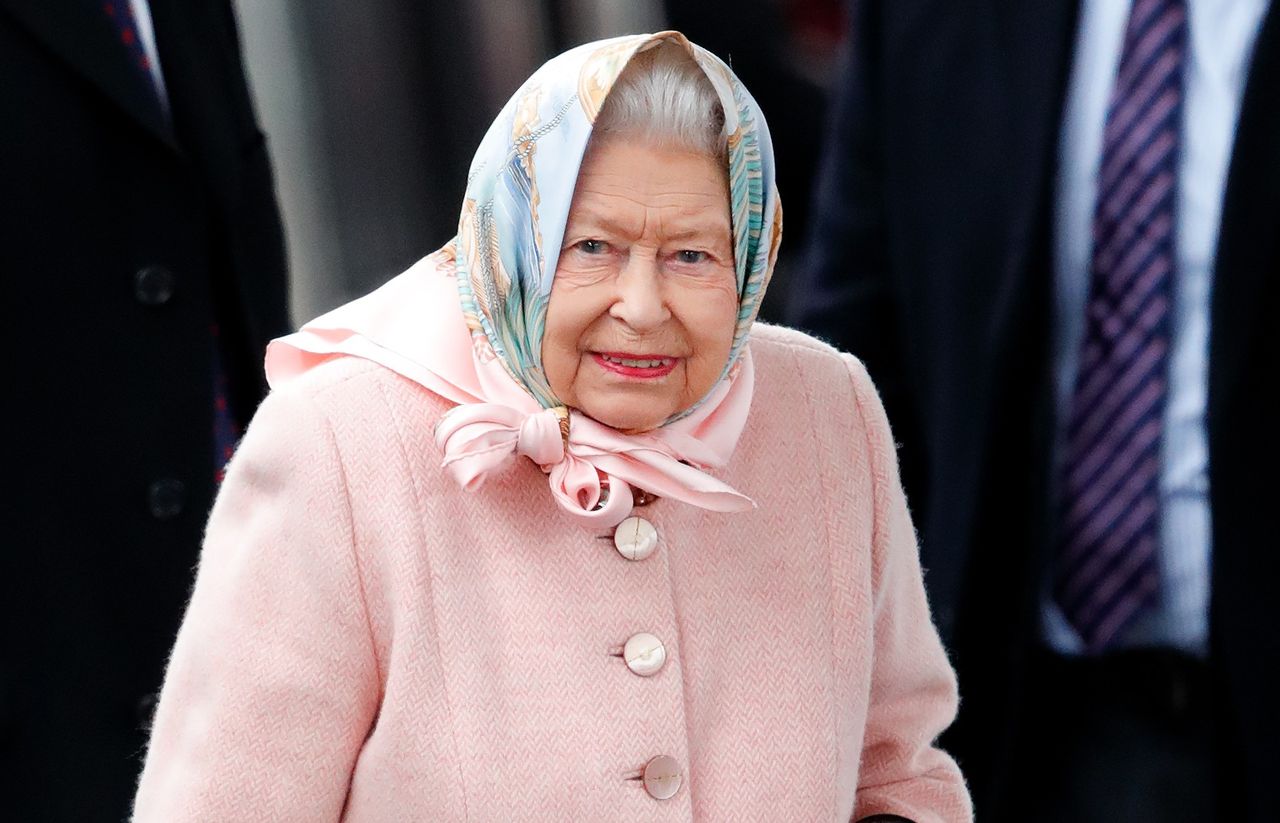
(644,302)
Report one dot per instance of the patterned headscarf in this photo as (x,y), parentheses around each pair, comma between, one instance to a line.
(487,359)
(522,181)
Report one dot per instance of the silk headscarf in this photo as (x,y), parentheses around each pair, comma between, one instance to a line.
(467,322)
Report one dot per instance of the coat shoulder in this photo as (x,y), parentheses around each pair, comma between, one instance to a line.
(767,335)
(380,422)
(797,374)
(777,348)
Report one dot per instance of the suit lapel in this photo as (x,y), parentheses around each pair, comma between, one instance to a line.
(208,118)
(1035,45)
(1248,250)
(88,44)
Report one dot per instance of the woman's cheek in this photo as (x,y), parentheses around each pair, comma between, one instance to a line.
(717,306)
(560,337)
(712,337)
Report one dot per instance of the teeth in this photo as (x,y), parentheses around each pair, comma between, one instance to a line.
(636,364)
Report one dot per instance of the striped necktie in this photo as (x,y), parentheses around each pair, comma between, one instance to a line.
(1107,570)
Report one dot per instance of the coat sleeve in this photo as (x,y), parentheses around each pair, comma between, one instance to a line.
(273,683)
(913,695)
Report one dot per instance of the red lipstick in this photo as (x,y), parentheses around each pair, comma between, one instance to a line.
(641,366)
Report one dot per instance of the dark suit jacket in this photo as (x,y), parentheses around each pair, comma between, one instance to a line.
(123,238)
(930,259)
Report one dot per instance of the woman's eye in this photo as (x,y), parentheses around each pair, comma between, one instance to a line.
(691,257)
(593,246)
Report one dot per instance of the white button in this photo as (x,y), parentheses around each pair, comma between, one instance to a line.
(635,538)
(644,654)
(662,777)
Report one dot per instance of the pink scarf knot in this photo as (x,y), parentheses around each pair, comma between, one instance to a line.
(483,437)
(591,468)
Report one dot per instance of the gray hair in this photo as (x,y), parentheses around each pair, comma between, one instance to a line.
(664,99)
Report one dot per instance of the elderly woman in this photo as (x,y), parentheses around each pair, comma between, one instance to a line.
(548,528)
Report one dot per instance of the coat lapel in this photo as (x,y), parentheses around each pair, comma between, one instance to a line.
(1035,46)
(88,44)
(1248,250)
(209,113)
(1022,52)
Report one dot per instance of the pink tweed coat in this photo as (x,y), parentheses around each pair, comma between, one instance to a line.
(367,642)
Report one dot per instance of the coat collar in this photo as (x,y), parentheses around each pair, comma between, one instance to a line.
(87,43)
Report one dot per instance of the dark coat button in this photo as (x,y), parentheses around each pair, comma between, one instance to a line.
(153,285)
(166,498)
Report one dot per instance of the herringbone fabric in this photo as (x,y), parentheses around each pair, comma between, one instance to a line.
(367,642)
(1108,564)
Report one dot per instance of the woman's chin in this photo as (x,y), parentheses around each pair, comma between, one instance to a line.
(626,417)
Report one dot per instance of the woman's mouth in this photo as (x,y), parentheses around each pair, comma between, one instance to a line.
(644,366)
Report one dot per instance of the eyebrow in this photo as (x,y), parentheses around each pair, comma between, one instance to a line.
(700,230)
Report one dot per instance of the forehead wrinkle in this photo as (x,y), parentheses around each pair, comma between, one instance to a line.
(673,221)
(684,223)
(644,182)
(590,215)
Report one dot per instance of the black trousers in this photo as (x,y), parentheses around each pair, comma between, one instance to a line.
(1124,737)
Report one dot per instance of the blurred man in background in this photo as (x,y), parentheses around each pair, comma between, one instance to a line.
(143,269)
(789,74)
(1050,230)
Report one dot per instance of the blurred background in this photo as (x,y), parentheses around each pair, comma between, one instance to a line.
(374,109)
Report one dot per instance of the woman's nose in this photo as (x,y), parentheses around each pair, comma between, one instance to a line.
(641,303)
